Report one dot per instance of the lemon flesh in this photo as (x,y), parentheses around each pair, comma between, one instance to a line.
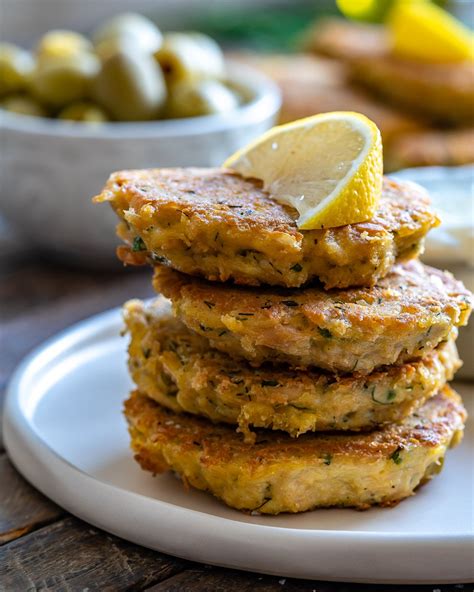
(328,167)
(423,31)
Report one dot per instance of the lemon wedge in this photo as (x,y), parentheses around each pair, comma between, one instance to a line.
(364,10)
(421,30)
(328,167)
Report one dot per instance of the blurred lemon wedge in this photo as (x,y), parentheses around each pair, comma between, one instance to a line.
(421,30)
(328,167)
(364,10)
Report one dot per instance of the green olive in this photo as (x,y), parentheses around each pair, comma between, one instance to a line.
(23,105)
(84,111)
(16,66)
(59,44)
(109,47)
(142,31)
(130,86)
(62,81)
(203,97)
(190,56)
(207,44)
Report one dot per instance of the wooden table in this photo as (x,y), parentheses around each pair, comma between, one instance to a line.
(42,547)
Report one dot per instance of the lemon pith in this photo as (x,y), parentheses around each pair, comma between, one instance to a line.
(328,167)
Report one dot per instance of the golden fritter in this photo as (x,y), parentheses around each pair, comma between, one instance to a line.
(177,368)
(346,40)
(214,223)
(311,84)
(440,92)
(406,315)
(303,100)
(282,474)
(448,147)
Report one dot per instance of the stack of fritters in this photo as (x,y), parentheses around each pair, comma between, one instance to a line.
(289,369)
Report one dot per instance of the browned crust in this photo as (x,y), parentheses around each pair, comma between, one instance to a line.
(432,148)
(434,424)
(207,195)
(214,223)
(178,368)
(345,40)
(217,195)
(441,92)
(408,313)
(410,293)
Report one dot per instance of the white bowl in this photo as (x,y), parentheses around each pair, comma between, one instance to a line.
(50,169)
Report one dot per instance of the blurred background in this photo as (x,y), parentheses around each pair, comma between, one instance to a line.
(90,87)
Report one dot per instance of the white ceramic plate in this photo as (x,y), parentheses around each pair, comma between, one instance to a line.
(65,432)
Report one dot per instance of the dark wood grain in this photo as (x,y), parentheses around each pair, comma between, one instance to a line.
(22,332)
(26,285)
(22,508)
(222,580)
(38,299)
(73,556)
(207,578)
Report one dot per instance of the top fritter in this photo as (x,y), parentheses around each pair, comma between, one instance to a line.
(215,224)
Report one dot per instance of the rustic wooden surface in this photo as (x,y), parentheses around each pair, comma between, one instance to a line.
(42,547)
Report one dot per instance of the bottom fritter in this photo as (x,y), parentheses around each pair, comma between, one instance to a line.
(282,474)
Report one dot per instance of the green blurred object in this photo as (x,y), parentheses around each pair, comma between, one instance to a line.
(372,11)
(190,56)
(23,105)
(109,47)
(204,97)
(60,44)
(264,29)
(140,30)
(64,80)
(130,86)
(84,111)
(16,66)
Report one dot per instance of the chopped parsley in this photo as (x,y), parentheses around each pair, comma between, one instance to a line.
(158,258)
(327,459)
(138,244)
(289,302)
(395,456)
(325,332)
(270,383)
(296,267)
(390,396)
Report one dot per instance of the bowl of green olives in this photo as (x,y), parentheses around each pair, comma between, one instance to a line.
(77,108)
